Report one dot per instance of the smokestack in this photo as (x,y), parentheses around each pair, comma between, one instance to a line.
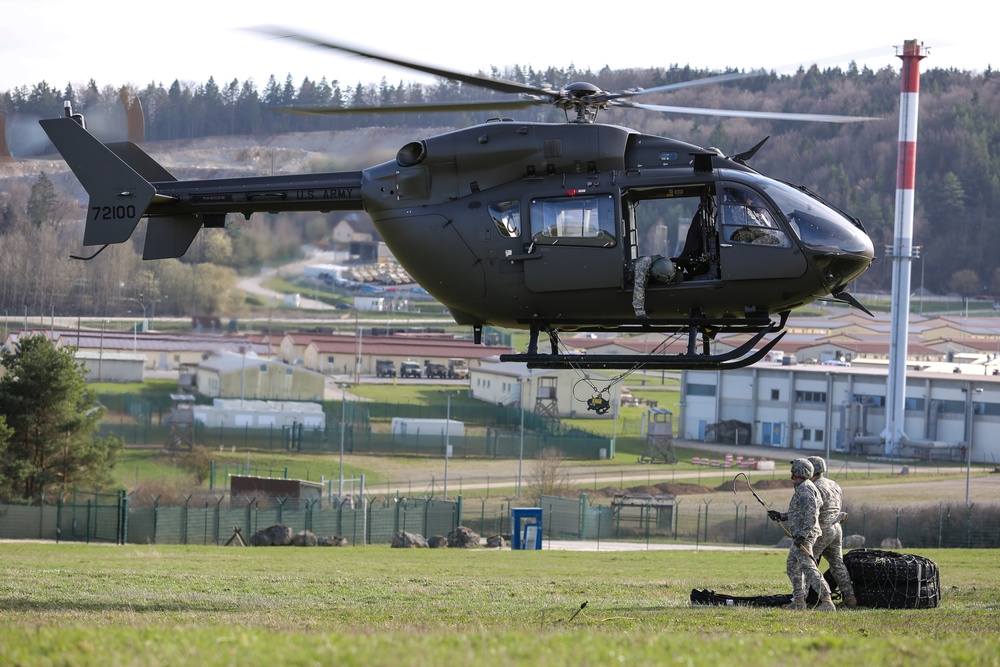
(902,248)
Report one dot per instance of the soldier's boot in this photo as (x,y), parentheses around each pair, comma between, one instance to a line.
(850,601)
(797,604)
(825,604)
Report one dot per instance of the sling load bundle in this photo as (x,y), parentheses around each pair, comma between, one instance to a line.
(882,580)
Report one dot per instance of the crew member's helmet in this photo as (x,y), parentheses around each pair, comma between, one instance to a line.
(819,465)
(802,468)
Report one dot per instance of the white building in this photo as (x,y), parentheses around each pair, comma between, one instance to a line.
(558,393)
(842,408)
(236,413)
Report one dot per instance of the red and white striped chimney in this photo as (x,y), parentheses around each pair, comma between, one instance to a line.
(902,247)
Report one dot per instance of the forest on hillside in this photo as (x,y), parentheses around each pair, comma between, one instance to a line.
(851,165)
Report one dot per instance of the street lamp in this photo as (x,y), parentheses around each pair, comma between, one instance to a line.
(520,455)
(968,391)
(343,425)
(916,254)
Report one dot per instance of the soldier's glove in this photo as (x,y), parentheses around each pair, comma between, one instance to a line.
(774,515)
(798,540)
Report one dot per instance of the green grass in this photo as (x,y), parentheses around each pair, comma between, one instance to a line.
(156,388)
(74,604)
(401,392)
(148,466)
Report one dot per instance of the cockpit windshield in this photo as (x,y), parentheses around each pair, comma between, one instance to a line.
(817,225)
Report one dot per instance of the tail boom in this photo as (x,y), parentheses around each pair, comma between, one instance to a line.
(126,184)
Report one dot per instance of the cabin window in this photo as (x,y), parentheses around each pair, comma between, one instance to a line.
(747,219)
(578,221)
(507,217)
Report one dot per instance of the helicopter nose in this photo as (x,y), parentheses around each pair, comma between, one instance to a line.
(841,266)
(838,270)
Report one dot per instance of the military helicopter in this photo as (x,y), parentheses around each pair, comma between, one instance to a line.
(549,227)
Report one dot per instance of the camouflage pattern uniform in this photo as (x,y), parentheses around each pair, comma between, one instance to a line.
(830,544)
(803,521)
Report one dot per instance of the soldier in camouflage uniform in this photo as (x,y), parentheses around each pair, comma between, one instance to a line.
(830,543)
(803,524)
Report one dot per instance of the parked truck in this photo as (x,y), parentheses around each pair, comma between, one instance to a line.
(409,369)
(433,369)
(458,369)
(385,368)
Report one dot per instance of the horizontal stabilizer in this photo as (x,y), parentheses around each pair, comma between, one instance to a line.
(139,160)
(118,194)
(170,236)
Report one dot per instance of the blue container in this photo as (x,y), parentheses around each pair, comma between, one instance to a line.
(526,528)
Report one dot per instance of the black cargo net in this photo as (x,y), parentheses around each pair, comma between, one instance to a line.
(890,580)
(882,580)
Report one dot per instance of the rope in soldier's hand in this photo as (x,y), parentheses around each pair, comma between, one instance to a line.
(759,499)
(764,505)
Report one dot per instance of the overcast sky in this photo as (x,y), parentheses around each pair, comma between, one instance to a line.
(137,42)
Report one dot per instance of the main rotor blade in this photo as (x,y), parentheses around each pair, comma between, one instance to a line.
(499,85)
(721,78)
(418,107)
(731,113)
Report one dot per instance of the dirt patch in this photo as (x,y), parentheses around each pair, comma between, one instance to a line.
(759,485)
(676,489)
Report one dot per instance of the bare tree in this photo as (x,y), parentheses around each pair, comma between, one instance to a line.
(550,476)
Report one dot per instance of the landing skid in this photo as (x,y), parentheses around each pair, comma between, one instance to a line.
(750,352)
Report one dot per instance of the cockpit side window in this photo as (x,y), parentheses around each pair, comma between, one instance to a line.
(587,220)
(507,217)
(746,218)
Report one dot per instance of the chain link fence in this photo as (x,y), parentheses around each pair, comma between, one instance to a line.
(105,517)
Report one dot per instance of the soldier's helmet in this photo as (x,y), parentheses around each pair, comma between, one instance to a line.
(802,468)
(819,465)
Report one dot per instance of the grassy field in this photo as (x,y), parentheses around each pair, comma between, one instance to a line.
(75,604)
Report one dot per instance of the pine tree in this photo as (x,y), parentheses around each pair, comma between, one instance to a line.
(42,200)
(53,419)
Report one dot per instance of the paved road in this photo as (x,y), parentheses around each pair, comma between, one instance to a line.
(255,285)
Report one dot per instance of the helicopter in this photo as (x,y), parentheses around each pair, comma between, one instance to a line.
(549,227)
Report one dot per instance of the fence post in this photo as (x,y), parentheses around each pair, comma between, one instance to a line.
(767,525)
(41,514)
(458,509)
(898,510)
(600,515)
(249,509)
(940,523)
(677,517)
(59,505)
(365,508)
(745,509)
(156,515)
(968,527)
(649,514)
(124,515)
(707,503)
(218,517)
(184,523)
(697,532)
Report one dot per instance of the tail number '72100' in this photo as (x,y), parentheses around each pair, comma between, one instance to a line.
(122,212)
